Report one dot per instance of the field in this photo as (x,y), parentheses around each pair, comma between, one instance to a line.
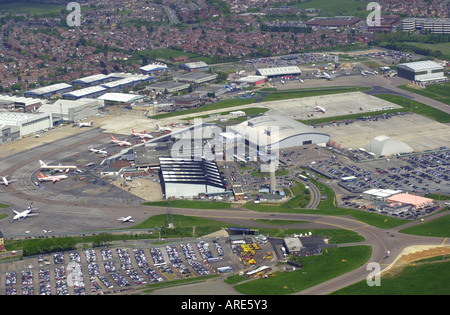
(437,228)
(40,10)
(337,7)
(438,92)
(428,277)
(444,48)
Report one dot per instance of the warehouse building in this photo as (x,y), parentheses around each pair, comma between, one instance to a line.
(333,22)
(385,146)
(48,91)
(121,99)
(184,178)
(92,80)
(421,71)
(196,77)
(154,69)
(126,81)
(27,123)
(89,92)
(417,202)
(252,80)
(169,87)
(195,66)
(71,110)
(25,104)
(280,131)
(279,71)
(379,194)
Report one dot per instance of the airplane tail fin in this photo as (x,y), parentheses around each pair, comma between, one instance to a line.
(157,126)
(132,130)
(112,138)
(42,163)
(40,175)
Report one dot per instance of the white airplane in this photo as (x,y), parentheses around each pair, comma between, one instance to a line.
(325,75)
(158,127)
(99,151)
(120,142)
(6,182)
(52,178)
(126,219)
(24,214)
(320,109)
(87,124)
(59,168)
(141,135)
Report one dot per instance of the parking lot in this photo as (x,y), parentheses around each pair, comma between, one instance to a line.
(121,269)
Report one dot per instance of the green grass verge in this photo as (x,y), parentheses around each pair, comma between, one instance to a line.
(416,279)
(438,92)
(437,228)
(316,269)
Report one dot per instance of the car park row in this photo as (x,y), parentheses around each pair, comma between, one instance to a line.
(111,270)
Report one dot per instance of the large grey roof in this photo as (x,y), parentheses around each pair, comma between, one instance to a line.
(420,65)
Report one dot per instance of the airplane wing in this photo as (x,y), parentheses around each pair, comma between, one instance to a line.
(15,211)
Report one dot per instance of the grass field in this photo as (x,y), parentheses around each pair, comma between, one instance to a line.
(438,92)
(40,10)
(425,278)
(436,228)
(337,7)
(417,107)
(335,261)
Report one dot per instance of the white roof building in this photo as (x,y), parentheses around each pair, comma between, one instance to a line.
(121,97)
(28,123)
(421,71)
(385,146)
(279,71)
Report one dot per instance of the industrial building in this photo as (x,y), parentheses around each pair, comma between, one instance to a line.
(252,80)
(88,92)
(27,123)
(196,66)
(71,110)
(196,77)
(421,71)
(280,131)
(169,86)
(385,146)
(379,194)
(415,201)
(279,72)
(92,80)
(185,178)
(154,69)
(126,81)
(24,104)
(121,98)
(333,22)
(48,91)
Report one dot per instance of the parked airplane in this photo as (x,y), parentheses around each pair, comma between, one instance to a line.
(24,214)
(126,219)
(141,135)
(87,124)
(99,151)
(158,127)
(51,178)
(59,168)
(120,142)
(320,109)
(325,75)
(6,182)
